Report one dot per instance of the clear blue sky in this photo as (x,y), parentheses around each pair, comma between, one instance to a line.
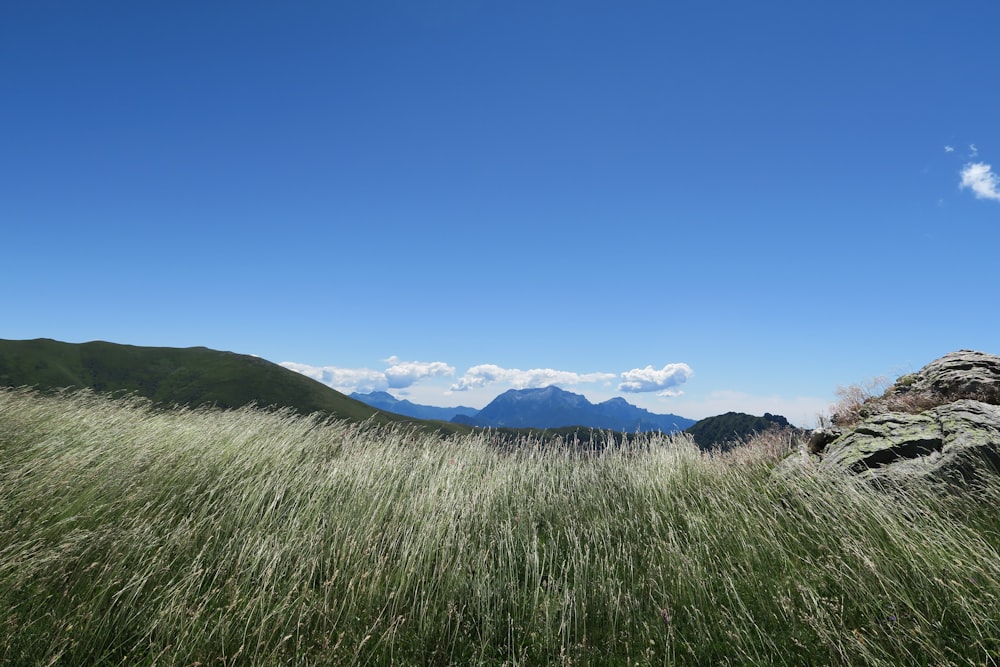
(757,201)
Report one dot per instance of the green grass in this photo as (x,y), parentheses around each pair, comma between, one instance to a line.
(136,536)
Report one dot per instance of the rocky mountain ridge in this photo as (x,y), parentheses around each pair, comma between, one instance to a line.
(552,407)
(383,400)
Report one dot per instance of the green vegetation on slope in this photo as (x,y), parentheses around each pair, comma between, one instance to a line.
(733,428)
(178,376)
(136,536)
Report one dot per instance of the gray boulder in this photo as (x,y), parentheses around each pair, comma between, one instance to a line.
(955,442)
(957,375)
(940,423)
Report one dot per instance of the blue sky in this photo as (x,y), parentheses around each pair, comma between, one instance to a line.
(698,206)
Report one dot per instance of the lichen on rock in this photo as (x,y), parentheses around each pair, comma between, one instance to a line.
(940,423)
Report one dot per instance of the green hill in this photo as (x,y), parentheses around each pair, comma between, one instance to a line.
(192,376)
(732,427)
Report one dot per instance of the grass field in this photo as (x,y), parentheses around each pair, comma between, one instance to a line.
(136,536)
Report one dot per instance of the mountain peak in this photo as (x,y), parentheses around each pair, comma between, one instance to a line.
(535,392)
(383,400)
(617,401)
(554,407)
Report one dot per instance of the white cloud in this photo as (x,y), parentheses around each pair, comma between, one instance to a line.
(364,380)
(949,149)
(399,375)
(973,151)
(484,374)
(637,380)
(406,373)
(650,379)
(979,177)
(479,376)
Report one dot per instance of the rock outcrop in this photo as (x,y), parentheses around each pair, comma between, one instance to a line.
(956,442)
(958,375)
(940,423)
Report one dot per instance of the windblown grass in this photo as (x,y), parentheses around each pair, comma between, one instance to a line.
(134,536)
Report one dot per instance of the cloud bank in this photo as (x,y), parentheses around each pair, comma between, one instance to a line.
(637,380)
(406,373)
(484,374)
(365,380)
(403,374)
(979,177)
(399,375)
(648,379)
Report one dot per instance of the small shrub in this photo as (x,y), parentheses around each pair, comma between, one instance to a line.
(858,402)
(854,401)
(911,402)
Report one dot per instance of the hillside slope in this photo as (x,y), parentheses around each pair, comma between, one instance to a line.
(174,376)
(732,427)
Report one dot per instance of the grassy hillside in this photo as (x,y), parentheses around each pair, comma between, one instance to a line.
(134,536)
(731,428)
(182,376)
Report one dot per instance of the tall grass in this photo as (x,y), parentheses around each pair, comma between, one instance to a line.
(133,536)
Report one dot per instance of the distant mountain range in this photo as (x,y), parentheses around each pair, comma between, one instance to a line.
(552,407)
(386,401)
(199,376)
